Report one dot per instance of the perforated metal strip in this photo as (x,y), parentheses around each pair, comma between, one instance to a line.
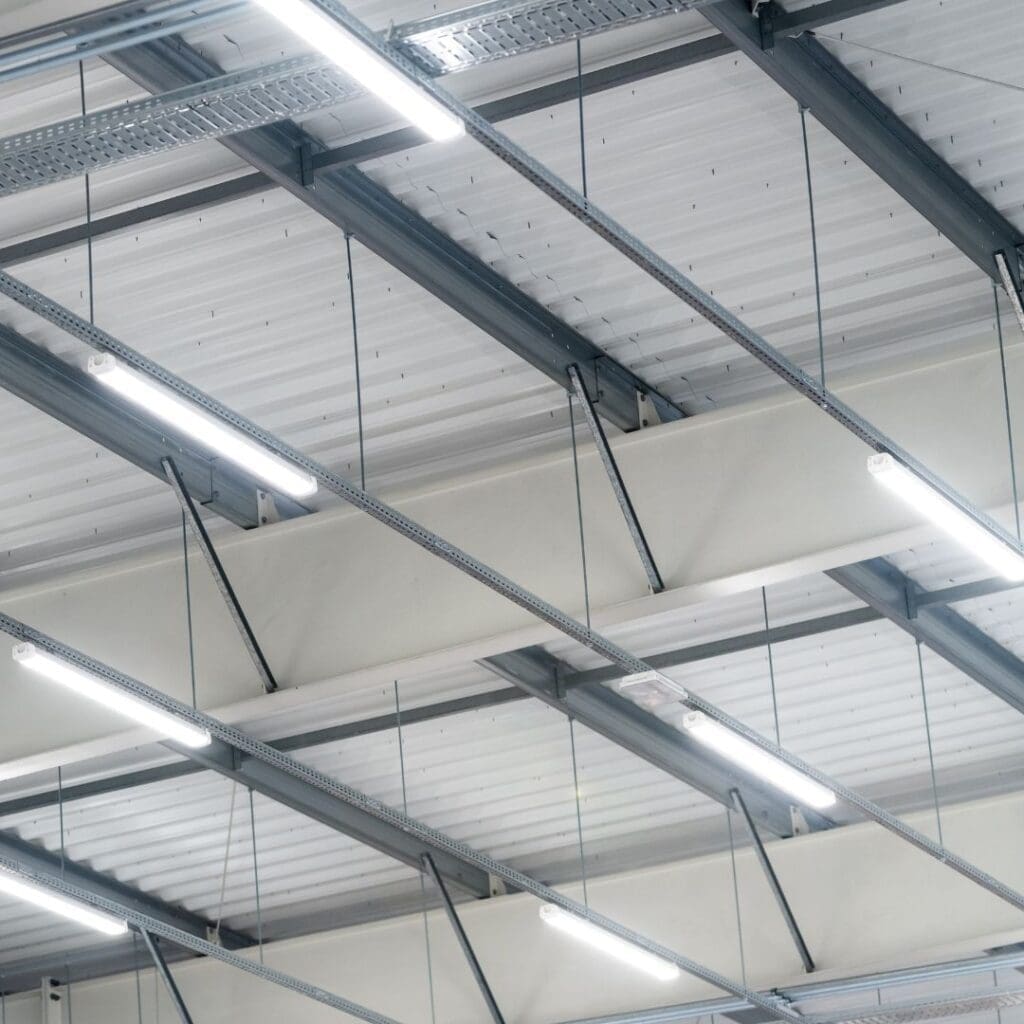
(197,945)
(490,31)
(209,110)
(774,1005)
(629,663)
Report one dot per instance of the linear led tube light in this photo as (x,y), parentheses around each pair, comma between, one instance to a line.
(366,66)
(102,692)
(651,689)
(73,910)
(1004,558)
(599,939)
(758,762)
(204,428)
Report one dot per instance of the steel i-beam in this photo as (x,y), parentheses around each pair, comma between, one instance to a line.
(611,467)
(220,576)
(495,581)
(460,933)
(870,130)
(673,279)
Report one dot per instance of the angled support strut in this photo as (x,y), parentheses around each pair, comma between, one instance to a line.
(460,933)
(168,979)
(773,883)
(220,576)
(611,467)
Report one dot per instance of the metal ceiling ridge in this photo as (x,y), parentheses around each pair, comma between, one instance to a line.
(494,580)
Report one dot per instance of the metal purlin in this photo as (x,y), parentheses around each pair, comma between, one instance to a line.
(436,545)
(254,748)
(144,923)
(662,271)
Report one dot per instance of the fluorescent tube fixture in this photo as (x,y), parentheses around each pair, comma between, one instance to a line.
(651,689)
(102,692)
(202,427)
(73,910)
(599,939)
(316,28)
(758,762)
(1004,558)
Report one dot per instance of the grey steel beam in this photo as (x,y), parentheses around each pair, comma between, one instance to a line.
(350,817)
(611,467)
(638,731)
(140,919)
(540,98)
(37,861)
(882,586)
(76,399)
(220,576)
(463,939)
(773,881)
(870,130)
(233,754)
(350,200)
(168,979)
(502,585)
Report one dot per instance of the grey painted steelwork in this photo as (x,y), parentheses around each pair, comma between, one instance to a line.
(866,126)
(492,30)
(539,98)
(129,30)
(51,879)
(220,576)
(29,859)
(773,882)
(165,973)
(204,110)
(636,730)
(259,766)
(494,580)
(78,400)
(350,200)
(611,467)
(946,632)
(674,280)
(460,933)
(1011,286)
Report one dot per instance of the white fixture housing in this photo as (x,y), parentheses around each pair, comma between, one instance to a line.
(103,692)
(39,896)
(316,28)
(758,762)
(165,405)
(651,689)
(605,942)
(908,486)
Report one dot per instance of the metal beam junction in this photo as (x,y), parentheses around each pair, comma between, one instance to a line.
(482,573)
(869,129)
(164,971)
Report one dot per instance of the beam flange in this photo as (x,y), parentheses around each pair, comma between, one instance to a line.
(870,130)
(946,632)
(605,712)
(353,202)
(77,400)
(34,860)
